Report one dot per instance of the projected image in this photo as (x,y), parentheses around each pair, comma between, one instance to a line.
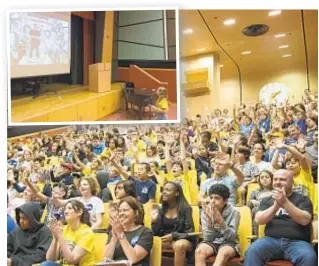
(38,39)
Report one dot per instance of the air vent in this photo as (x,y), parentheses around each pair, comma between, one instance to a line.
(255,30)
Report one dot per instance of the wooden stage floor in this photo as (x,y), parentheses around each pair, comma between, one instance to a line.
(61,98)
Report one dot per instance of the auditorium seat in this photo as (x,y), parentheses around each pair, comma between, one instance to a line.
(100,241)
(156,253)
(251,187)
(105,218)
(158,194)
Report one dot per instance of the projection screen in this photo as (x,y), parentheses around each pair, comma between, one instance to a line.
(39,43)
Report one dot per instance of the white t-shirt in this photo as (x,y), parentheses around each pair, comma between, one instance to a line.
(94,205)
(262,165)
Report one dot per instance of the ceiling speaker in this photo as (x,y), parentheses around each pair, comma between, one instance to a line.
(255,30)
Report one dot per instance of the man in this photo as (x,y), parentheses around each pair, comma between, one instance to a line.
(221,165)
(64,175)
(287,215)
(29,242)
(220,223)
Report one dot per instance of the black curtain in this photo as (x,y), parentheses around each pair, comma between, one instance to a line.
(99,34)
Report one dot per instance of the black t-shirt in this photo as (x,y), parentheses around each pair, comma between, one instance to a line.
(143,237)
(282,225)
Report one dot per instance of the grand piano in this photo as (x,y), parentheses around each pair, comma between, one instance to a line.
(139,98)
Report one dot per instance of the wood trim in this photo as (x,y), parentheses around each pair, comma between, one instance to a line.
(89,15)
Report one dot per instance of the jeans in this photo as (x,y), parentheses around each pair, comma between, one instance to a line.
(50,263)
(162,117)
(299,253)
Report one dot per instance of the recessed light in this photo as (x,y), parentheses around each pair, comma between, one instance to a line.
(188,31)
(201,50)
(246,52)
(280,35)
(274,13)
(283,46)
(286,55)
(229,22)
(221,65)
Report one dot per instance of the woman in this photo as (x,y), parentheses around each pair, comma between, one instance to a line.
(73,243)
(89,189)
(124,188)
(129,240)
(259,150)
(174,221)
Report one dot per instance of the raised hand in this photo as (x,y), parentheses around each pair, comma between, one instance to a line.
(218,218)
(154,213)
(279,195)
(279,144)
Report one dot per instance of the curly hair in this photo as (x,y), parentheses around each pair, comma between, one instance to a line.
(93,183)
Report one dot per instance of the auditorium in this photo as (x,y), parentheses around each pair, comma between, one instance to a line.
(92,66)
(234,183)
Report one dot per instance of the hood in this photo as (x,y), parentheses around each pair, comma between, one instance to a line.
(32,211)
(227,210)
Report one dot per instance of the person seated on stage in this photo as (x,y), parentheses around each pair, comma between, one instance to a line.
(162,104)
(174,221)
(73,243)
(129,239)
(287,215)
(220,223)
(145,188)
(28,243)
(265,190)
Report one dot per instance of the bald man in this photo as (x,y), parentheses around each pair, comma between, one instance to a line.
(287,215)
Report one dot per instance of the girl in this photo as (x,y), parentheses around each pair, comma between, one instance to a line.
(265,190)
(173,221)
(161,107)
(73,243)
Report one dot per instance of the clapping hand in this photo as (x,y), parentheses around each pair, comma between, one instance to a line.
(218,218)
(154,213)
(279,195)
(117,226)
(56,228)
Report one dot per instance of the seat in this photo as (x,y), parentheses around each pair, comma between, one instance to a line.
(100,241)
(105,218)
(196,219)
(147,217)
(156,253)
(251,187)
(158,194)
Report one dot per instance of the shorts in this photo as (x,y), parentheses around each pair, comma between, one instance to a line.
(216,246)
(161,116)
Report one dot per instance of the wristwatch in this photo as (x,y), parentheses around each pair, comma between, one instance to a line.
(122,235)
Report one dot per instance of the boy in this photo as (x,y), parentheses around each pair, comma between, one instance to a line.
(220,223)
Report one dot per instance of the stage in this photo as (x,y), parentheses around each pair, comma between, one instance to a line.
(66,103)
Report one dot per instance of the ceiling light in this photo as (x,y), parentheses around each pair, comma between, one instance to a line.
(286,55)
(188,31)
(274,13)
(246,52)
(280,35)
(201,49)
(221,65)
(229,22)
(283,46)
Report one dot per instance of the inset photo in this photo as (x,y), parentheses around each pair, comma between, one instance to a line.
(87,66)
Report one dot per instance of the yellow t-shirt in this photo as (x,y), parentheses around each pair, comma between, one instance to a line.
(82,238)
(303,183)
(162,104)
(184,181)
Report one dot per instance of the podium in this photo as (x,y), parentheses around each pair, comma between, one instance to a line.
(100,77)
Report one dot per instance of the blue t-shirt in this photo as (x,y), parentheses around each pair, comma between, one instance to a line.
(99,149)
(145,190)
(11,225)
(114,179)
(246,129)
(302,125)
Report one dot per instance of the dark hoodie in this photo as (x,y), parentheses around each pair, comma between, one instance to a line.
(28,246)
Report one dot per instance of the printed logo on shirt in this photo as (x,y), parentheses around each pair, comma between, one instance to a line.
(282,212)
(144,190)
(134,240)
(89,207)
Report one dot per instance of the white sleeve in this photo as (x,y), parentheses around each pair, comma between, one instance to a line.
(99,205)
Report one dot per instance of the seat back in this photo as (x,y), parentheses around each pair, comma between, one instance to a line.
(244,228)
(100,240)
(158,194)
(111,187)
(156,253)
(105,218)
(251,187)
(196,218)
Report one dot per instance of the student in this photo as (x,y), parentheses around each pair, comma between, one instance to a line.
(173,221)
(162,105)
(72,244)
(220,223)
(129,239)
(145,188)
(29,242)
(265,190)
